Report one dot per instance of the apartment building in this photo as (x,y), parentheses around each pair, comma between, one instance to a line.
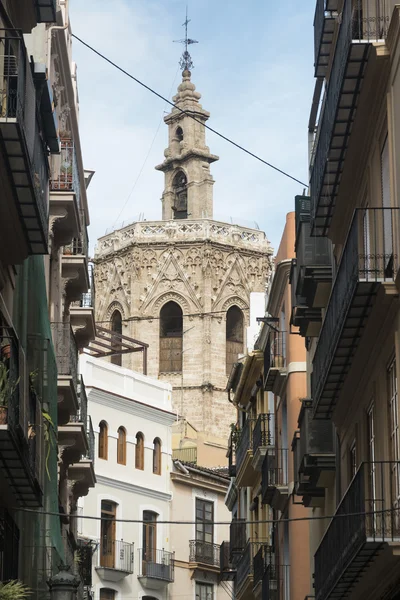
(346,293)
(46,441)
(269,557)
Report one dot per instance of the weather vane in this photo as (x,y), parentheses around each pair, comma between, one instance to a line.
(186,62)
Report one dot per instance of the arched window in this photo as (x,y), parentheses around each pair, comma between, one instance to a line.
(107,594)
(107,533)
(139,451)
(121,446)
(171,332)
(103,440)
(116,328)
(179,133)
(234,336)
(157,456)
(179,186)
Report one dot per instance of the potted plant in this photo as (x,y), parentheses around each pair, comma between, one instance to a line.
(7,388)
(14,590)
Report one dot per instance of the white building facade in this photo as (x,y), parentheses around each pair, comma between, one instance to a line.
(132,418)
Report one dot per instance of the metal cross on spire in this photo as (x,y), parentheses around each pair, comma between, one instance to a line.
(186,62)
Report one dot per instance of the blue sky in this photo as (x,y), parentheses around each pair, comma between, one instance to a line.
(254,69)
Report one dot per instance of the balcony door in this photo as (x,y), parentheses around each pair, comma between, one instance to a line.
(149,539)
(107,549)
(394,441)
(204,530)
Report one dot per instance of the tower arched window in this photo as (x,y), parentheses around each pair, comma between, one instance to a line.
(103,440)
(121,446)
(179,134)
(157,456)
(179,186)
(234,336)
(139,451)
(171,332)
(116,328)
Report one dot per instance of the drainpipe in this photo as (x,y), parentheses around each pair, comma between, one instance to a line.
(55,28)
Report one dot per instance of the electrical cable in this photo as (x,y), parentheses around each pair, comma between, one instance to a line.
(200,314)
(230,141)
(246,522)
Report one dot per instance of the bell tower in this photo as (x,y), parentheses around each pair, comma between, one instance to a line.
(188,187)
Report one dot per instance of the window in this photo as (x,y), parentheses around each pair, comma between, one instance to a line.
(179,186)
(171,333)
(149,536)
(157,456)
(394,431)
(121,446)
(107,594)
(107,534)
(371,455)
(116,327)
(179,134)
(9,546)
(139,451)
(103,440)
(234,336)
(204,591)
(204,521)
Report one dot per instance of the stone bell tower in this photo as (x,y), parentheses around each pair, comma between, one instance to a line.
(188,189)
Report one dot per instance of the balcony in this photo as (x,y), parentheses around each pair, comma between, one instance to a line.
(204,556)
(73,436)
(263,439)
(263,559)
(115,559)
(274,478)
(366,523)
(231,455)
(67,366)
(324,27)
(23,148)
(276,583)
(358,30)
(227,571)
(46,11)
(238,538)
(369,261)
(244,455)
(312,496)
(156,568)
(317,449)
(82,315)
(21,439)
(82,472)
(275,362)
(65,192)
(245,575)
(74,265)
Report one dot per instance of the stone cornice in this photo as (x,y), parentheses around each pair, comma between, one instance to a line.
(132,488)
(278,285)
(132,407)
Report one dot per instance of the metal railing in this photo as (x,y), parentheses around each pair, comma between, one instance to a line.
(370,254)
(156,564)
(18,103)
(185,454)
(90,435)
(115,554)
(65,176)
(82,414)
(274,469)
(88,299)
(66,350)
(245,566)
(275,351)
(263,559)
(244,443)
(204,552)
(263,432)
(12,398)
(369,511)
(224,557)
(79,245)
(237,535)
(368,23)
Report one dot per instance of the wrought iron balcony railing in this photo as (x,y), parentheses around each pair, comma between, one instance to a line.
(361,23)
(115,554)
(263,433)
(20,130)
(65,177)
(88,299)
(204,552)
(274,358)
(274,474)
(66,350)
(365,520)
(82,414)
(245,566)
(79,245)
(90,434)
(156,564)
(245,443)
(263,559)
(369,258)
(324,26)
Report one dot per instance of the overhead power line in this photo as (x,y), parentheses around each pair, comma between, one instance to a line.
(247,522)
(153,318)
(224,137)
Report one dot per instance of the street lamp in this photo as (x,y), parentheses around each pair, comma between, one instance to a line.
(64,585)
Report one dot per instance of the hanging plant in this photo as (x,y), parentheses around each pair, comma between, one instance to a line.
(48,439)
(236,433)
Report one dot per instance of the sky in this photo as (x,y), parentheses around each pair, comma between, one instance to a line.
(253,66)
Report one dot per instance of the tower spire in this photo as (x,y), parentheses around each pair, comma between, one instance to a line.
(185,61)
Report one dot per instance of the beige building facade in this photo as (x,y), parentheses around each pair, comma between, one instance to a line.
(186,284)
(351,320)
